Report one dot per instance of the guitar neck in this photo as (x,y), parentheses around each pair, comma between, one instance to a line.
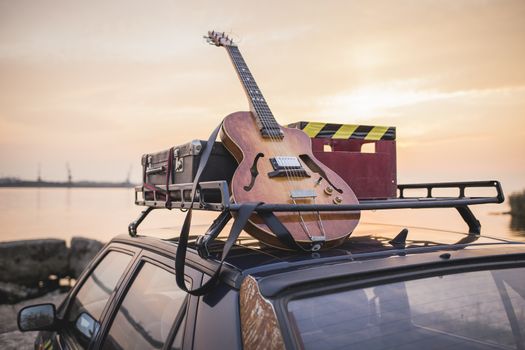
(266,122)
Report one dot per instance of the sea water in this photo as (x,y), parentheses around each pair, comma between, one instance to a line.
(102,213)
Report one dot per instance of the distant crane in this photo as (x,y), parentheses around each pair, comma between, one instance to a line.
(39,177)
(69,177)
(128,181)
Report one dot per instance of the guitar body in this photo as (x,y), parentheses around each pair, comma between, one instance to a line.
(318,185)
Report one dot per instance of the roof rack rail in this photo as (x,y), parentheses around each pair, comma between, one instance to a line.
(214,196)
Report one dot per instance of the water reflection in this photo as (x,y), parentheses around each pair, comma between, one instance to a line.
(38,200)
(98,213)
(68,199)
(27,213)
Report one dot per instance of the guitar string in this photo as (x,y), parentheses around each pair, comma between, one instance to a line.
(293,175)
(264,114)
(238,60)
(255,103)
(262,117)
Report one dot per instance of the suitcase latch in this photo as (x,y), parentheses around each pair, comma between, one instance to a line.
(179,165)
(179,161)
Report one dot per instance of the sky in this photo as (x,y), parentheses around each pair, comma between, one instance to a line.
(98,83)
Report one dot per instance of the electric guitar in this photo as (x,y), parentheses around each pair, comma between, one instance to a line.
(276,165)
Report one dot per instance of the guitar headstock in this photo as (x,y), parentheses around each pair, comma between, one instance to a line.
(218,39)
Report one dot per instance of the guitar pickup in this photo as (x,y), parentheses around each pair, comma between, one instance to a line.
(287,167)
(301,194)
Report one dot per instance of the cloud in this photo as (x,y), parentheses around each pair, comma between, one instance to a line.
(388,99)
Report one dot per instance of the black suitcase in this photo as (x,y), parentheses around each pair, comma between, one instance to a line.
(179,164)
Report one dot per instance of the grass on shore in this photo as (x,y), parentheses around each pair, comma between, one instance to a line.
(517,204)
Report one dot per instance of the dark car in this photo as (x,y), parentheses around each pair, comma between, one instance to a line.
(385,288)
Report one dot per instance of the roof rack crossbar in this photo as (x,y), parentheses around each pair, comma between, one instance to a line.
(373,205)
(460,202)
(461,186)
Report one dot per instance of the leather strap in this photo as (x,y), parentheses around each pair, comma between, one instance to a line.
(244,213)
(168,177)
(180,258)
(279,230)
(154,188)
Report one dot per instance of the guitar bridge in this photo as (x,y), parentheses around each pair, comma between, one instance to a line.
(302,194)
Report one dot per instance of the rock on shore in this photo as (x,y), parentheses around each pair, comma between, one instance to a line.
(80,254)
(26,266)
(31,261)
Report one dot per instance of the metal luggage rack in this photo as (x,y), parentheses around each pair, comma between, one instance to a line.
(180,195)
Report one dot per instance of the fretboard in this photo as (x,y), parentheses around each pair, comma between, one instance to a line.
(263,116)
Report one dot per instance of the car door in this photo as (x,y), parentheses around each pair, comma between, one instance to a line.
(85,307)
(151,312)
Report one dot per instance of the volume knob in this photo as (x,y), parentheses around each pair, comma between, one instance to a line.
(338,200)
(329,190)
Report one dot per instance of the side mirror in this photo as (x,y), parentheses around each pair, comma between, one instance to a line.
(40,317)
(87,325)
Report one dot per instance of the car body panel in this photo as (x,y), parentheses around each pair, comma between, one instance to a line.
(223,319)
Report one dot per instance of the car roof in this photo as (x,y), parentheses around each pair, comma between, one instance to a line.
(371,248)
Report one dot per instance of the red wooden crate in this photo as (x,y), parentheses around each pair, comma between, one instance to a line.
(364,156)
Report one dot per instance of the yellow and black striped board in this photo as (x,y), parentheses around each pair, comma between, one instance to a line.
(346,131)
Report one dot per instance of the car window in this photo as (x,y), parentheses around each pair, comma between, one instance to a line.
(83,318)
(177,341)
(472,310)
(148,311)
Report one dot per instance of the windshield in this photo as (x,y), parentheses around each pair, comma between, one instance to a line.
(471,310)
